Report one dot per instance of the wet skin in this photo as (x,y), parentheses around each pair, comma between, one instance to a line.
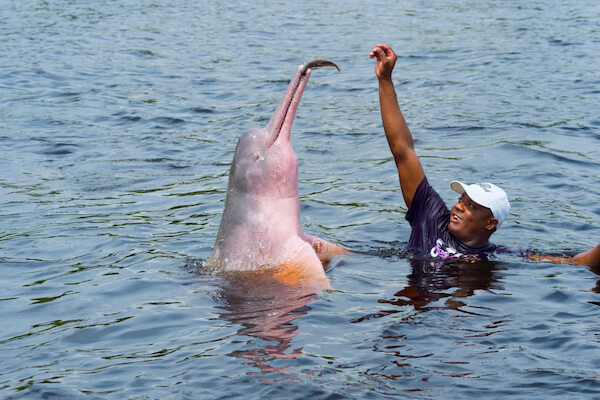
(260,225)
(470,222)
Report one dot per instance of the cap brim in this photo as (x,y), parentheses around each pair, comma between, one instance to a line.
(458,186)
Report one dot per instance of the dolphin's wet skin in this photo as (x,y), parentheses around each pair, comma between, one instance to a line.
(260,227)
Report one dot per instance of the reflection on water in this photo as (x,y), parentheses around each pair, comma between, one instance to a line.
(266,309)
(433,280)
(596,289)
(430,281)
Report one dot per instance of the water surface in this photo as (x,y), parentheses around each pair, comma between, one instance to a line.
(118,121)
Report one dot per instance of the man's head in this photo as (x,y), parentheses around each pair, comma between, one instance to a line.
(481,208)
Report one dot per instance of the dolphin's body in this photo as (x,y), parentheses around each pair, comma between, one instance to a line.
(260,226)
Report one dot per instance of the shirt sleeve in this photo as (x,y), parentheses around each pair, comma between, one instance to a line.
(426,204)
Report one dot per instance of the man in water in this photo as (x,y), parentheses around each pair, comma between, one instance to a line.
(462,232)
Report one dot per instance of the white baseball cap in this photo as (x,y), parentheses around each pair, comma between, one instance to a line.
(487,195)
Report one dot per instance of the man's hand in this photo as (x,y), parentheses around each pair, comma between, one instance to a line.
(386,59)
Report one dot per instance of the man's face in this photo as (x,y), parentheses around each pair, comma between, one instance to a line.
(470,222)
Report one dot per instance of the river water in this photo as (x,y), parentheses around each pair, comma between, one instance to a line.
(118,121)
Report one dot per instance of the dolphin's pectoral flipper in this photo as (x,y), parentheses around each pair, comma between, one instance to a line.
(301,266)
(325,250)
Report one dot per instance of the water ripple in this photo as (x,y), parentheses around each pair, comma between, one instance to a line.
(119,123)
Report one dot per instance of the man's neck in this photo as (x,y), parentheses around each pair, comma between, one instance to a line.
(475,242)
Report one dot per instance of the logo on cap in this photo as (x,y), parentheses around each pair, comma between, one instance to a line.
(486,187)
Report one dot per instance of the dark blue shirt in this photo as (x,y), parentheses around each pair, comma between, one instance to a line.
(428,217)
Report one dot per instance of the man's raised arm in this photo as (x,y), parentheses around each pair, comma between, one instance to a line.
(410,170)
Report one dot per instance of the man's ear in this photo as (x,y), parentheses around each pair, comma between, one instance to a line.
(492,224)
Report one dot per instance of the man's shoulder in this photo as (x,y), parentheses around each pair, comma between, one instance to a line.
(426,202)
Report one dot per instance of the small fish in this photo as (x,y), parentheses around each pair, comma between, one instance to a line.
(318,64)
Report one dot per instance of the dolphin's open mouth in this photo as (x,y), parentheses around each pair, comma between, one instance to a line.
(289,105)
(283,118)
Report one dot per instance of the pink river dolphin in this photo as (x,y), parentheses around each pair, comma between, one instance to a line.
(260,228)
